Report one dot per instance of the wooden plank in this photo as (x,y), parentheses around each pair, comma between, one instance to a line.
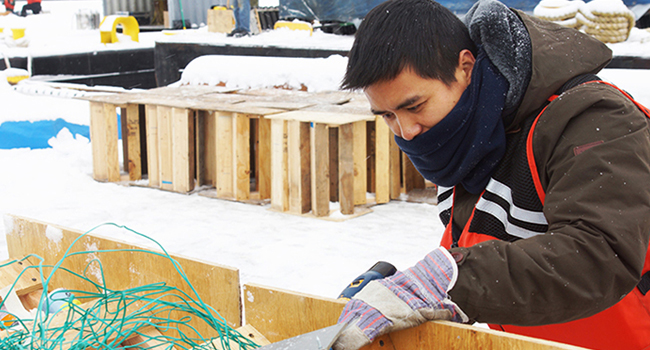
(125,135)
(182,179)
(279,166)
(382,161)
(242,157)
(371,147)
(299,173)
(264,158)
(220,21)
(206,149)
(249,332)
(29,281)
(225,170)
(98,141)
(360,162)
(151,113)
(332,119)
(148,338)
(217,285)
(412,178)
(165,155)
(132,140)
(279,314)
(334,164)
(112,156)
(395,169)
(320,186)
(449,335)
(346,169)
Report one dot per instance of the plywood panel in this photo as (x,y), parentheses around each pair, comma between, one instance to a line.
(320,186)
(151,113)
(279,314)
(217,285)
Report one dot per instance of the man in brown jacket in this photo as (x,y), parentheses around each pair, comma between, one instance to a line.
(543,175)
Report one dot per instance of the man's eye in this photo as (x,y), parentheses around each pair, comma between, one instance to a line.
(388,115)
(414,108)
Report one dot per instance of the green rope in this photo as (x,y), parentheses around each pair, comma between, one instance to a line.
(109,317)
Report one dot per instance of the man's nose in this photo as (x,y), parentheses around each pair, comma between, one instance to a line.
(407,127)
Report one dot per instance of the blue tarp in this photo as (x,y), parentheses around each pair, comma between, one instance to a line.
(34,135)
(347,10)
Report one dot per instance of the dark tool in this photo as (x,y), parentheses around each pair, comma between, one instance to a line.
(379,270)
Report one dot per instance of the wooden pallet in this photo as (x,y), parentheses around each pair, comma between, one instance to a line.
(197,137)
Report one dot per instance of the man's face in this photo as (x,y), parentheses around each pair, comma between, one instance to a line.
(411,105)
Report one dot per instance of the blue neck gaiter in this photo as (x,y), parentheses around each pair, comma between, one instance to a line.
(466,145)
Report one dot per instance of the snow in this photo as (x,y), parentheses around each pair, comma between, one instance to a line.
(303,254)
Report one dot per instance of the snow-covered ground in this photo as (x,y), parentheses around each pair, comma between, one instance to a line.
(297,253)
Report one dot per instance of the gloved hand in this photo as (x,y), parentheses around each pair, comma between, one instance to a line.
(405,299)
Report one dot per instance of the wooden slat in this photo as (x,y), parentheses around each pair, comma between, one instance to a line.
(242,157)
(412,178)
(98,141)
(320,186)
(148,338)
(332,119)
(371,146)
(112,156)
(395,169)
(165,155)
(279,314)
(133,155)
(182,179)
(279,166)
(334,163)
(246,331)
(217,285)
(346,169)
(299,167)
(151,113)
(382,161)
(225,171)
(449,335)
(264,158)
(29,281)
(206,149)
(360,162)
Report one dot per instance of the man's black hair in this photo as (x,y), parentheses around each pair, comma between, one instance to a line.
(419,34)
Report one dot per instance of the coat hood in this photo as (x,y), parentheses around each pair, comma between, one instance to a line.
(558,54)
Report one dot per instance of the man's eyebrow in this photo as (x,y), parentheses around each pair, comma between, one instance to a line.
(404,104)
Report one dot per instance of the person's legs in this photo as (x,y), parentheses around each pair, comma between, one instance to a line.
(241,11)
(35,7)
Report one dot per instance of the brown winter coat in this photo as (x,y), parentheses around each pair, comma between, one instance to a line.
(597,202)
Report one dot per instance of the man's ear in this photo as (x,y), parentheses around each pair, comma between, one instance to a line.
(466,62)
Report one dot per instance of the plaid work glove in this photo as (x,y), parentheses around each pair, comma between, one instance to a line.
(405,299)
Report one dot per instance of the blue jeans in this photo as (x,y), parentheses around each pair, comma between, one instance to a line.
(242,13)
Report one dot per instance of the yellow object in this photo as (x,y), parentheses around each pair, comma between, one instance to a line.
(108,26)
(18,33)
(294,26)
(16,79)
